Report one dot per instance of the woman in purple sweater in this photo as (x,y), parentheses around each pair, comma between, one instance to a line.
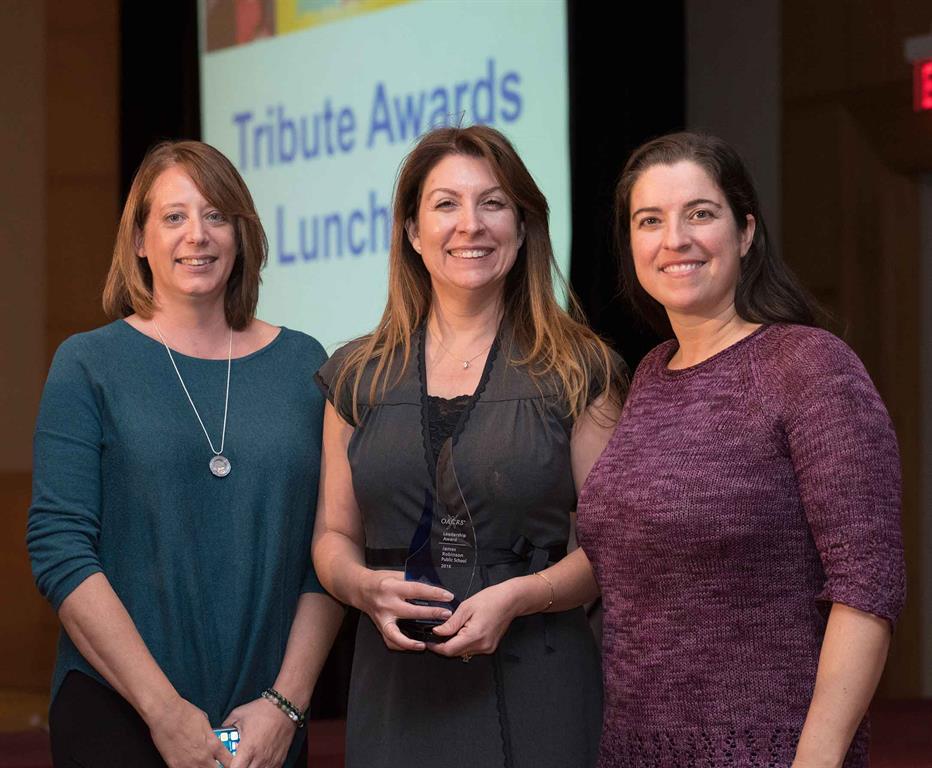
(743,522)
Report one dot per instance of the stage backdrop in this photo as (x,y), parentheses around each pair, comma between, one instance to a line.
(317,102)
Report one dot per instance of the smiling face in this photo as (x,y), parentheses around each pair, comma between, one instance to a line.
(467,230)
(190,245)
(686,245)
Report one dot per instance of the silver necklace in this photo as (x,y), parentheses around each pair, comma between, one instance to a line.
(219,464)
(464,362)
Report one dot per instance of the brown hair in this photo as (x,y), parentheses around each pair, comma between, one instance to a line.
(129,283)
(767,290)
(552,340)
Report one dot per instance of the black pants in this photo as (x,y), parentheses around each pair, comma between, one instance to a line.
(92,726)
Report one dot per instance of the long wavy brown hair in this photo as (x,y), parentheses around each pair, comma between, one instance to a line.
(767,290)
(129,283)
(552,341)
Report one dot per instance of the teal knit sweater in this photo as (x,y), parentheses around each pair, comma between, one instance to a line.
(210,569)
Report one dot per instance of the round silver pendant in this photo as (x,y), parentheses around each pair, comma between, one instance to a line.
(220,466)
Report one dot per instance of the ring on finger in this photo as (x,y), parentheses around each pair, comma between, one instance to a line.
(466,657)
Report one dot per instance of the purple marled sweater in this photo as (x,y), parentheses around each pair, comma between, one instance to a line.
(735,502)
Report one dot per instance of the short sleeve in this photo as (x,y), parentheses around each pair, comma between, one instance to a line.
(845,455)
(64,518)
(619,376)
(311,583)
(326,377)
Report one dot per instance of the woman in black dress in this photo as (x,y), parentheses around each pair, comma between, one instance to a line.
(475,366)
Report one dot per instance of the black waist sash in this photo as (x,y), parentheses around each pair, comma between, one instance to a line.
(521,551)
(537,557)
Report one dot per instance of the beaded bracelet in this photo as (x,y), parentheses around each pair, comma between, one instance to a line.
(294,714)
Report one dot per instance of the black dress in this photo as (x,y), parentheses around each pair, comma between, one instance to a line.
(536,702)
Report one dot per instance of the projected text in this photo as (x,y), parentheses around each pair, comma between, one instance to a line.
(333,235)
(278,136)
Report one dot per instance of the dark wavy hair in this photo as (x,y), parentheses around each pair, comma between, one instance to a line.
(767,290)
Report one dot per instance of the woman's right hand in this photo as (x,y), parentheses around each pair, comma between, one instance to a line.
(385,600)
(98,624)
(184,737)
(339,546)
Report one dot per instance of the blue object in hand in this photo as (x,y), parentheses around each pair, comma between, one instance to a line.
(229,738)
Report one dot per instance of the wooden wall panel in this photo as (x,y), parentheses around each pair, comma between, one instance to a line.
(83,161)
(83,209)
(836,46)
(812,192)
(79,173)
(22,227)
(28,627)
(851,224)
(813,48)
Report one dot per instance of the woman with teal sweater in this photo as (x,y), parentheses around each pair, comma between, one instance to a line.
(175,480)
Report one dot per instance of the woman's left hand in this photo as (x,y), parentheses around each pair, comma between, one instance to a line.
(478,623)
(265,734)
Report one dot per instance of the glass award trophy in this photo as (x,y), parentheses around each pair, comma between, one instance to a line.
(443,551)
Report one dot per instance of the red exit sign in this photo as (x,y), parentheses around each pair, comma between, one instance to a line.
(922,85)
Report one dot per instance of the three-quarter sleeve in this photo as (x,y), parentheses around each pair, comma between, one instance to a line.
(845,455)
(64,518)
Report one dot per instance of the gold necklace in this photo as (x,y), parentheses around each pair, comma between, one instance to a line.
(466,362)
